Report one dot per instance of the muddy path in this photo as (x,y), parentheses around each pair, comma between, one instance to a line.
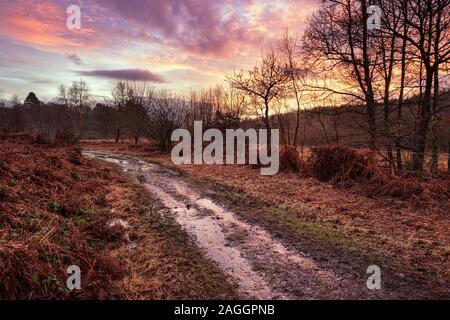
(262,266)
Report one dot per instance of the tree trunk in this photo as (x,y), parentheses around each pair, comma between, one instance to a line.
(434,121)
(401,95)
(269,135)
(266,116)
(399,157)
(434,125)
(117,135)
(434,150)
(369,94)
(387,126)
(388,69)
(424,123)
(372,124)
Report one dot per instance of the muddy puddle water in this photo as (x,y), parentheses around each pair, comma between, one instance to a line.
(262,266)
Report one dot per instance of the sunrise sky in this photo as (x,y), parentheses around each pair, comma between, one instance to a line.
(175,44)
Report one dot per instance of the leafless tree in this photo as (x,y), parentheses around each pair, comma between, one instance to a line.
(76,98)
(11,113)
(166,114)
(121,94)
(428,23)
(63,96)
(2,97)
(218,107)
(338,40)
(289,48)
(79,94)
(129,101)
(266,82)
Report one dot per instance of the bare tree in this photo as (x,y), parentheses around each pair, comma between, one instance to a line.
(266,82)
(428,40)
(11,113)
(79,94)
(166,114)
(121,94)
(218,107)
(290,50)
(2,97)
(339,41)
(63,96)
(403,59)
(129,101)
(76,98)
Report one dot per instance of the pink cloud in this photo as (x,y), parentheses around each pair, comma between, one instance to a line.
(43,24)
(197,26)
(208,28)
(123,38)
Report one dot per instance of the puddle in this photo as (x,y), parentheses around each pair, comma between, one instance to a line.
(262,266)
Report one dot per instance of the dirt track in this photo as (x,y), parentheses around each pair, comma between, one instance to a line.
(262,266)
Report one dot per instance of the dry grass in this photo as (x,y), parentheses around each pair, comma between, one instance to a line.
(56,211)
(51,198)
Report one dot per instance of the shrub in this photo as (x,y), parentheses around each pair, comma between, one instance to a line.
(290,159)
(65,138)
(339,163)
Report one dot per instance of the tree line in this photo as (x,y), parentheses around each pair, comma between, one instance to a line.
(134,110)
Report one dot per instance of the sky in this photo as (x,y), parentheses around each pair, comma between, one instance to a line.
(172,44)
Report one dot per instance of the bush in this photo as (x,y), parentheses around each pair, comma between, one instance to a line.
(290,159)
(65,138)
(340,163)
